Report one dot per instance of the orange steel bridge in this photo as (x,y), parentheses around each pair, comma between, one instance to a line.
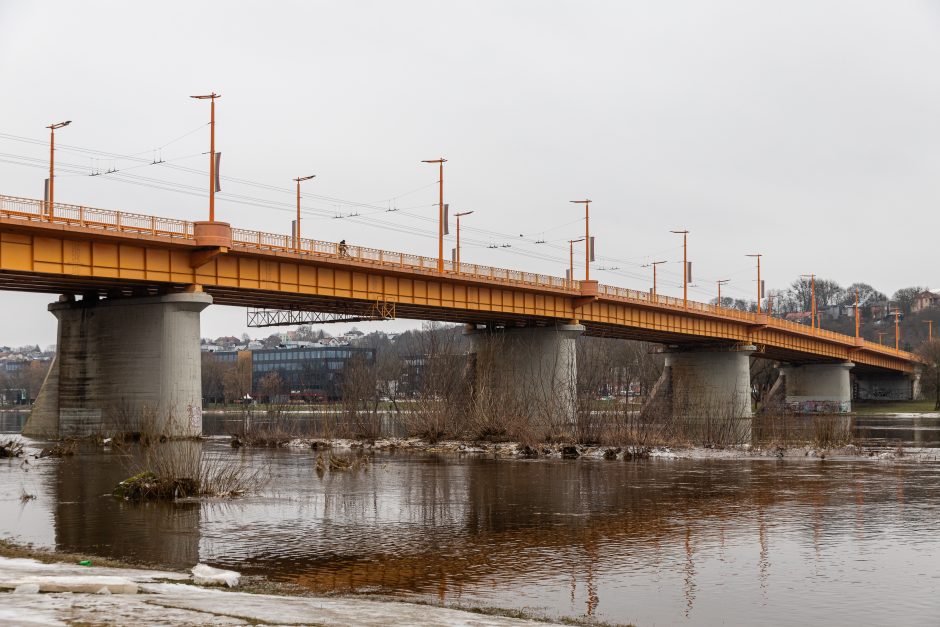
(83,250)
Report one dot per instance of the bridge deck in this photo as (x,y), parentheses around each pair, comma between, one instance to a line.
(83,249)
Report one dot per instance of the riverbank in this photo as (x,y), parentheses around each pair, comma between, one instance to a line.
(163,597)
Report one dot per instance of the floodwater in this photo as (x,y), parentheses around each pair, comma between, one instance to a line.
(652,542)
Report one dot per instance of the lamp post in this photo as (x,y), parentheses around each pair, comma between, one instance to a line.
(856,313)
(571,243)
(897,330)
(812,277)
(459,215)
(212,173)
(929,330)
(654,264)
(720,283)
(297,226)
(440,225)
(685,266)
(50,212)
(587,237)
(760,291)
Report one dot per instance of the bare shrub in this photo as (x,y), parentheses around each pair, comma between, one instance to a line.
(11,448)
(180,469)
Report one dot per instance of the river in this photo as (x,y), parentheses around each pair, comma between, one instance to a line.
(652,542)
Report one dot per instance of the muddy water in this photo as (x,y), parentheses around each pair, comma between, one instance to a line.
(654,542)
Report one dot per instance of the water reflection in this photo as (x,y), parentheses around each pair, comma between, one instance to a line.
(655,541)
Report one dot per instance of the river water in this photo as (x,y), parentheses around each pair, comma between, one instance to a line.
(652,542)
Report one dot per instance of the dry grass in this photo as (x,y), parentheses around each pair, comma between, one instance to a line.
(174,470)
(11,447)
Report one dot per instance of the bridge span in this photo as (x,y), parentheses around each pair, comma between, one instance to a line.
(170,269)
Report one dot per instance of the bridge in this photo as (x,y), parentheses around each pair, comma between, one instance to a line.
(131,288)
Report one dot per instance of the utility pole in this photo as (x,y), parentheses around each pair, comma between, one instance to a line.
(587,237)
(654,264)
(722,282)
(212,158)
(881,335)
(897,330)
(297,227)
(856,313)
(571,243)
(50,212)
(929,330)
(685,266)
(440,225)
(760,290)
(465,213)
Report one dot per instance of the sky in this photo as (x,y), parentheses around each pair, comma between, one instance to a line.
(806,131)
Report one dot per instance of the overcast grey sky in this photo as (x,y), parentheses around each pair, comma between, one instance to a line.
(807,131)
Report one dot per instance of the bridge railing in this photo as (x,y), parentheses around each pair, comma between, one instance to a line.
(109,220)
(93,218)
(285,243)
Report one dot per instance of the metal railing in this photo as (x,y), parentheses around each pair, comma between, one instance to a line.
(119,221)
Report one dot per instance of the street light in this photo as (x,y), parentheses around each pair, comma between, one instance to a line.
(654,264)
(685,266)
(52,128)
(440,226)
(760,291)
(571,243)
(588,249)
(897,330)
(213,175)
(458,215)
(812,277)
(297,226)
(720,283)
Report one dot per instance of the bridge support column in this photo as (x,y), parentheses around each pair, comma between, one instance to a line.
(124,365)
(711,383)
(886,388)
(529,370)
(818,388)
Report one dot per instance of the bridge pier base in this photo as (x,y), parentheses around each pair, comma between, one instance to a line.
(528,370)
(124,365)
(706,383)
(885,388)
(818,388)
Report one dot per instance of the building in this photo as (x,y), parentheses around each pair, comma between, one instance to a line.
(925,300)
(308,373)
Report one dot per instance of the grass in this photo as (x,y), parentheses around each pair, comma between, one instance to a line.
(869,408)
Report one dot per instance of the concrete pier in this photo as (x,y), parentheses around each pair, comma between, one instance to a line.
(885,388)
(713,383)
(124,365)
(818,388)
(536,366)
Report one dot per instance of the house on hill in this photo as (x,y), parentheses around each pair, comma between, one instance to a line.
(925,300)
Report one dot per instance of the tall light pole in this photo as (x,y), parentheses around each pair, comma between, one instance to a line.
(459,215)
(720,283)
(654,264)
(212,158)
(897,330)
(587,237)
(440,225)
(52,127)
(929,330)
(812,278)
(297,226)
(685,266)
(760,291)
(856,313)
(571,243)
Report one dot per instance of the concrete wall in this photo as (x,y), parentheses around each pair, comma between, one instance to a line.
(125,364)
(884,388)
(538,365)
(818,388)
(715,382)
